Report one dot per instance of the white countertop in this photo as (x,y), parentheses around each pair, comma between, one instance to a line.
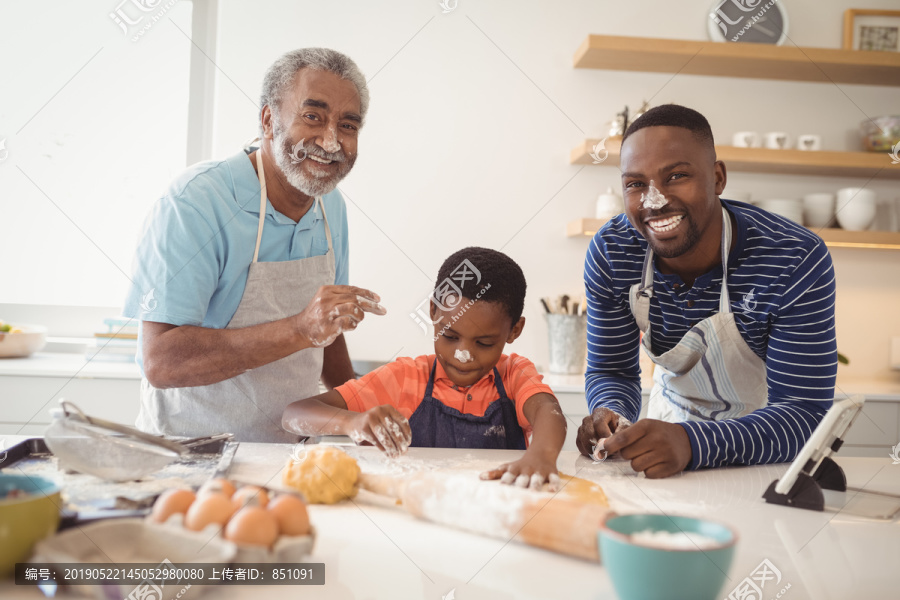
(61,364)
(372,551)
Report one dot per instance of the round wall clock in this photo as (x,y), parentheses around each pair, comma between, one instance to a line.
(748,21)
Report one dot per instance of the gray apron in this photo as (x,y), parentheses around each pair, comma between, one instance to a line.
(711,374)
(250,405)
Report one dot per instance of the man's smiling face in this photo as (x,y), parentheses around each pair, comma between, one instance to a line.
(684,168)
(322,111)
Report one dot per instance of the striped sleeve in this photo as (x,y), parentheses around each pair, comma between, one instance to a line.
(801,367)
(612,379)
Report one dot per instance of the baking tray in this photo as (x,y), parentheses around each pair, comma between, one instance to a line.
(90,499)
(37,448)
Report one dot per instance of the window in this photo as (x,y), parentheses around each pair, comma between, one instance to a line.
(95,123)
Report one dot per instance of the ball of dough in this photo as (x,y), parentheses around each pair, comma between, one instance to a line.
(325,476)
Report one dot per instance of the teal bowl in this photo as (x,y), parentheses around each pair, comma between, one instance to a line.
(641,571)
(26,519)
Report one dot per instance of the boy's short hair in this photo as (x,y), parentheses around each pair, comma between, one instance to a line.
(503,278)
(673,115)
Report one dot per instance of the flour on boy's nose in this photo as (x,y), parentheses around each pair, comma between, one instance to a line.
(462,356)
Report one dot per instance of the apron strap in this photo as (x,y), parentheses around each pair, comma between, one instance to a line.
(640,293)
(724,300)
(325,216)
(262,208)
(429,387)
(646,287)
(498,383)
(262,201)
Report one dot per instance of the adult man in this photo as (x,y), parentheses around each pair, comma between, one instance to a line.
(241,288)
(736,311)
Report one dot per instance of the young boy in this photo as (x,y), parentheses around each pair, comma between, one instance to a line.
(466,395)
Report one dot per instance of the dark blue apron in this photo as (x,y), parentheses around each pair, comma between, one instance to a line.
(436,425)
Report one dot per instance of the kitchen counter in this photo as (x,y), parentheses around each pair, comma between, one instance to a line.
(372,551)
(69,365)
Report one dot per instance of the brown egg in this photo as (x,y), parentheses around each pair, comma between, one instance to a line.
(171,502)
(211,507)
(218,485)
(250,495)
(252,525)
(291,515)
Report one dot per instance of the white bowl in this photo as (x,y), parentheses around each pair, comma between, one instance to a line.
(791,208)
(856,208)
(31,339)
(818,209)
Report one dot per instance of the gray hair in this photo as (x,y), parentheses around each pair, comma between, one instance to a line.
(281,75)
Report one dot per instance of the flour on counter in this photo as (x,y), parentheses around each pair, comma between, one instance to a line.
(85,492)
(487,508)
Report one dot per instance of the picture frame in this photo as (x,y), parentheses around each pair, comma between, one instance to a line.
(873,30)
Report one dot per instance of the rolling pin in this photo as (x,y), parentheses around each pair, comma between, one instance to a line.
(496,510)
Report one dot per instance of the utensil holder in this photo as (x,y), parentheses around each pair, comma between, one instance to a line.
(567,341)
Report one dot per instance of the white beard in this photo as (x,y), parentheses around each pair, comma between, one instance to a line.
(282,147)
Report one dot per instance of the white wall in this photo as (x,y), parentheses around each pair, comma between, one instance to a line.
(474,114)
(95,127)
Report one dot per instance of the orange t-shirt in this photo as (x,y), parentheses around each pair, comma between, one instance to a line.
(402,385)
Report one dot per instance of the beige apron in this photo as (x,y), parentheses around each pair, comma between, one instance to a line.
(250,404)
(711,374)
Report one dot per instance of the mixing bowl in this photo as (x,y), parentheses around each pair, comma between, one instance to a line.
(642,569)
(29,512)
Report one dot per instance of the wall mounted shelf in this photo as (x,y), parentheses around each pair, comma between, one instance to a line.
(764,160)
(755,61)
(833,238)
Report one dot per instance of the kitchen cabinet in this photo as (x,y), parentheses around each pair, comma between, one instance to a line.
(30,387)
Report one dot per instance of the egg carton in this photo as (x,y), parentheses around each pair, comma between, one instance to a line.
(123,541)
(287,548)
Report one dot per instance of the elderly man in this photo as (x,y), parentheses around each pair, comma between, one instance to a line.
(242,289)
(736,308)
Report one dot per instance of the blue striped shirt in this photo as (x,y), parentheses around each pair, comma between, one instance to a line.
(781,287)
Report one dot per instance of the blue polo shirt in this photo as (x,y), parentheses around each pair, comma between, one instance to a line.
(194,254)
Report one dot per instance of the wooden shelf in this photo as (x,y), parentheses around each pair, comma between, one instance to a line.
(833,238)
(841,238)
(764,160)
(723,59)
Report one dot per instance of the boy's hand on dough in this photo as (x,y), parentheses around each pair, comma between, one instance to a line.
(531,471)
(382,426)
